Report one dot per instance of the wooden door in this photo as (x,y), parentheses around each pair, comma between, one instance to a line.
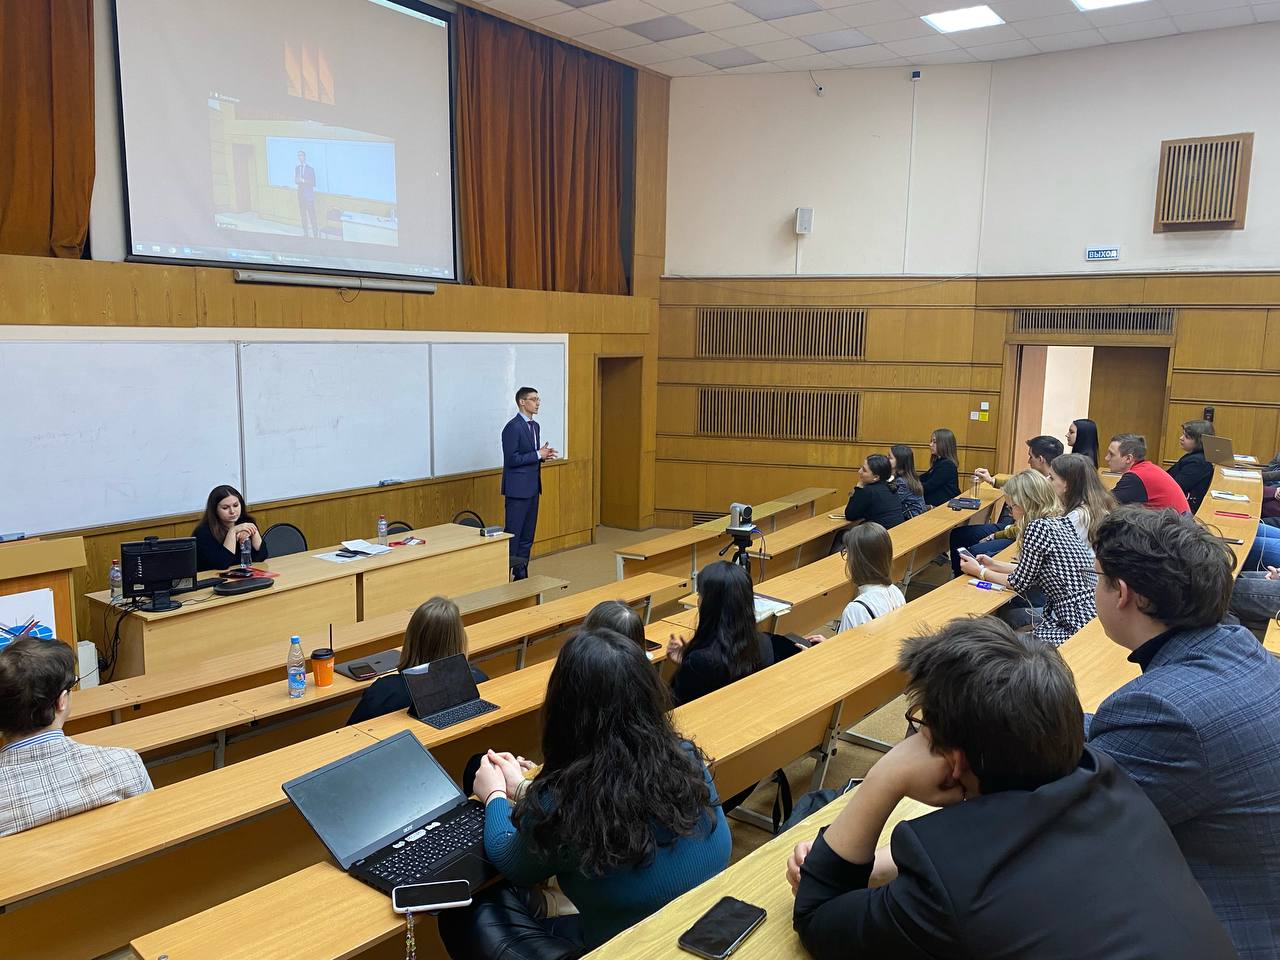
(621,386)
(1127,394)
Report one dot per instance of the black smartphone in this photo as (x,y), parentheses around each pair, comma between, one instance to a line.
(362,671)
(414,897)
(651,645)
(721,930)
(799,641)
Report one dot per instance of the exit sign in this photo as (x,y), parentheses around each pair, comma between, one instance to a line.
(1102,253)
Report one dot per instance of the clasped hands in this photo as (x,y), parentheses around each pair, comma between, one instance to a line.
(547,452)
(500,772)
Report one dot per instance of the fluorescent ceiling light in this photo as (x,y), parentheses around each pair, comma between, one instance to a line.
(951,21)
(1087,5)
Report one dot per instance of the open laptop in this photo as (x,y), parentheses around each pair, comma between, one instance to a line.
(1218,450)
(444,692)
(390,815)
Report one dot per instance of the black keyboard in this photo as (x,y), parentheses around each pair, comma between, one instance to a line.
(412,861)
(465,711)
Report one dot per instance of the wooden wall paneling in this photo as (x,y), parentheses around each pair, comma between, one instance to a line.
(1220,339)
(677,409)
(1218,386)
(871,374)
(46,291)
(1212,289)
(1059,291)
(845,291)
(620,436)
(1271,343)
(1127,393)
(677,331)
(650,205)
(1006,420)
(222,302)
(989,328)
(920,335)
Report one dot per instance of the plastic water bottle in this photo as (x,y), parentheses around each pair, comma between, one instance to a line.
(297,667)
(246,552)
(382,529)
(115,579)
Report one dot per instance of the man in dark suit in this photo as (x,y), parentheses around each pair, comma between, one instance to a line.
(1043,848)
(304,178)
(522,454)
(1198,730)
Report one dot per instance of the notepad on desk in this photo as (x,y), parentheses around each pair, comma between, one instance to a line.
(1224,495)
(769,607)
(1240,474)
(365,547)
(1244,458)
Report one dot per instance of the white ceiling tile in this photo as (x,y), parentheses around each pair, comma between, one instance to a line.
(648,54)
(1001,33)
(1051,43)
(1144,30)
(1004,51)
(765,67)
(814,61)
(1013,10)
(615,38)
(680,6)
(1129,13)
(858,56)
(1266,12)
(745,36)
(919,45)
(731,57)
(1178,7)
(1045,26)
(684,67)
(777,9)
(720,17)
(698,43)
(666,27)
(943,56)
(895,62)
(833,4)
(623,12)
(838,40)
(782,49)
(574,23)
(806,23)
(899,30)
(1214,19)
(530,10)
(877,11)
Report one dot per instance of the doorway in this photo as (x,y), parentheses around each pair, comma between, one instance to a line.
(618,440)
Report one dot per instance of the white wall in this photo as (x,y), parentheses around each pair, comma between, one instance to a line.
(1068,374)
(1004,168)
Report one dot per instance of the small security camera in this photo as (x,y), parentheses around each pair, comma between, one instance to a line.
(819,89)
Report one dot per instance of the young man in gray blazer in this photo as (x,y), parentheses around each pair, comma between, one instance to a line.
(1199,729)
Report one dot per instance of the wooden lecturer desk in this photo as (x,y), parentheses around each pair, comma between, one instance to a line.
(308,596)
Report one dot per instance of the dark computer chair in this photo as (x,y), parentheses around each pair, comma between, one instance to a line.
(469,518)
(282,539)
(399,526)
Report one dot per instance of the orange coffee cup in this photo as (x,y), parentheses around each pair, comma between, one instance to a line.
(322,666)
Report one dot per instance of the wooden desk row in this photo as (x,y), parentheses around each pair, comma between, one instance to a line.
(677,553)
(748,729)
(308,595)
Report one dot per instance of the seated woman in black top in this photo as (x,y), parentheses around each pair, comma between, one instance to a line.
(725,646)
(1082,438)
(226,523)
(941,481)
(435,631)
(1193,472)
(875,498)
(1052,830)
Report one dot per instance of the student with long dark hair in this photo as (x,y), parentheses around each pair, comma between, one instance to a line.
(226,523)
(902,461)
(435,631)
(726,645)
(1082,438)
(616,616)
(1084,500)
(941,481)
(1192,471)
(623,812)
(874,499)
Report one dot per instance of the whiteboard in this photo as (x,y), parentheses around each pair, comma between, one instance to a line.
(473,395)
(103,432)
(331,416)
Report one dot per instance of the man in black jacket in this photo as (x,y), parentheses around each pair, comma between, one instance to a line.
(1043,848)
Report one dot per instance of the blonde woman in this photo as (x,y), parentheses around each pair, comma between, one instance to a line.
(1051,559)
(435,631)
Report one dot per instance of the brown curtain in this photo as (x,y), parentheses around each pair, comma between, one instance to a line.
(46,126)
(539,132)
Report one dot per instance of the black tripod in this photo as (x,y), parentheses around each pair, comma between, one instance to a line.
(742,542)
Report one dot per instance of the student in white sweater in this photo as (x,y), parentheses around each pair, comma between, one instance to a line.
(868,554)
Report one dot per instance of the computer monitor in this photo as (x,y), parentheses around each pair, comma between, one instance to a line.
(153,568)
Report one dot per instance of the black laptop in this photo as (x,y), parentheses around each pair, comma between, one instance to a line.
(444,692)
(390,815)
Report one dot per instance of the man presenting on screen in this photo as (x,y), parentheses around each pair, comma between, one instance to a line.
(304,175)
(522,454)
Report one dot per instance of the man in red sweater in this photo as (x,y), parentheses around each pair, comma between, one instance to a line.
(1143,482)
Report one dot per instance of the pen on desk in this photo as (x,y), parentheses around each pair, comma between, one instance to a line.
(1237,516)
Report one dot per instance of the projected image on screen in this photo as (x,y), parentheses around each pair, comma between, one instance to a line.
(317,139)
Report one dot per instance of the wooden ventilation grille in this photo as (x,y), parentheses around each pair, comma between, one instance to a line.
(800,333)
(1100,320)
(777,413)
(1203,183)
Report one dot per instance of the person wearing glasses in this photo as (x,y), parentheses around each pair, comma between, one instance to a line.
(1042,847)
(44,774)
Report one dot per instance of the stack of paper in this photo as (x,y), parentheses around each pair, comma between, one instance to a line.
(768,607)
(1245,458)
(1240,474)
(365,547)
(1224,495)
